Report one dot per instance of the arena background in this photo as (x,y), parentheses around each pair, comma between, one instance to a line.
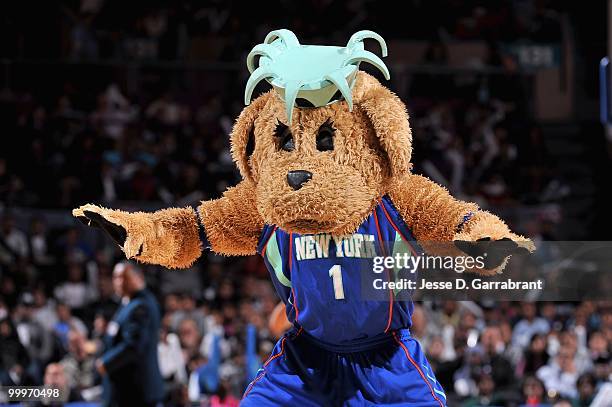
(129,104)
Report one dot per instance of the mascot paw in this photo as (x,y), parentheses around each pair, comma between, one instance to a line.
(495,253)
(116,224)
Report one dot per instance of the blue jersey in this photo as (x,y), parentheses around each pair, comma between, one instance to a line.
(320,278)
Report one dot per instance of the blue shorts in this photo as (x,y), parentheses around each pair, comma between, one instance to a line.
(303,372)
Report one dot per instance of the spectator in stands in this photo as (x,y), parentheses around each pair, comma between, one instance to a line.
(190,338)
(44,309)
(529,325)
(83,35)
(78,364)
(32,335)
(448,319)
(486,393)
(602,369)
(500,366)
(421,329)
(435,350)
(534,393)
(75,292)
(55,377)
(107,302)
(512,352)
(586,390)
(598,346)
(14,357)
(223,396)
(73,248)
(113,113)
(466,376)
(65,322)
(560,374)
(535,356)
(100,323)
(569,340)
(39,244)
(204,372)
(12,238)
(186,309)
(171,361)
(166,111)
(171,306)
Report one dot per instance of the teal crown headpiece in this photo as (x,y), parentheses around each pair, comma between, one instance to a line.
(310,75)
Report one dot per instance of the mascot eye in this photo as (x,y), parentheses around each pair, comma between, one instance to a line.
(283,134)
(287,143)
(325,137)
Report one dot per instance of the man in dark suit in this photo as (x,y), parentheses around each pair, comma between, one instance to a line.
(129,363)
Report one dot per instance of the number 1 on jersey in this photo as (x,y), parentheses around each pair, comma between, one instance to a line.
(336,274)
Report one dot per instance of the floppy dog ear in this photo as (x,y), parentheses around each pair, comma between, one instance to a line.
(389,118)
(242,138)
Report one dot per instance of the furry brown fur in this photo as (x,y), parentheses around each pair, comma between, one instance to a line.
(168,237)
(232,222)
(371,158)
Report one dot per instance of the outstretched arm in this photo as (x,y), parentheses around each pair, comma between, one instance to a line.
(175,237)
(435,216)
(232,223)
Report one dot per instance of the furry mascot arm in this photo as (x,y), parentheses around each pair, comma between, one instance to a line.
(432,214)
(436,217)
(175,237)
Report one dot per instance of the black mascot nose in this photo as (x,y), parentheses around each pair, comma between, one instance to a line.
(298,178)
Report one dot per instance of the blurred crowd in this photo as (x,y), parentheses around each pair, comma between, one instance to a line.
(68,146)
(506,354)
(61,154)
(92,135)
(65,153)
(93,29)
(57,295)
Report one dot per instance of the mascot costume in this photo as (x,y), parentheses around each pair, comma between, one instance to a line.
(325,162)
